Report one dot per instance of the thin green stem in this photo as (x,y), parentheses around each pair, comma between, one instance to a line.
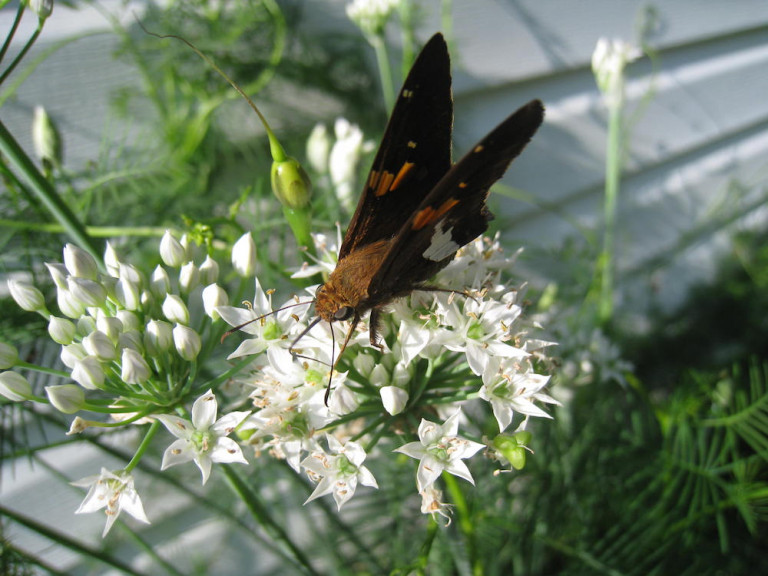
(23,53)
(385,72)
(613,159)
(143,446)
(464,521)
(44,192)
(12,32)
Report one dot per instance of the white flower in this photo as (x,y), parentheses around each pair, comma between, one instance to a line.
(244,256)
(431,503)
(338,472)
(509,390)
(204,439)
(113,491)
(343,160)
(608,62)
(440,449)
(371,15)
(271,331)
(88,373)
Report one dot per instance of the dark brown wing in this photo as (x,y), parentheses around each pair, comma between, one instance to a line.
(414,154)
(454,212)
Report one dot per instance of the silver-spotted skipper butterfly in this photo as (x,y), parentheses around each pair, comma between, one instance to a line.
(418,208)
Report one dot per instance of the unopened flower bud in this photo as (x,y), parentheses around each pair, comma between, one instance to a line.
(213,296)
(291,184)
(135,369)
(89,292)
(67,398)
(68,304)
(187,342)
(79,263)
(131,339)
(9,356)
(61,330)
(109,325)
(46,139)
(159,283)
(58,273)
(14,386)
(27,296)
(318,148)
(71,354)
(111,261)
(209,271)
(88,373)
(86,325)
(98,344)
(128,294)
(189,277)
(172,252)
(244,256)
(175,310)
(128,319)
(43,8)
(158,337)
(393,399)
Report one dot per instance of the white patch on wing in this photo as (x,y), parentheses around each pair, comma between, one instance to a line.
(442,245)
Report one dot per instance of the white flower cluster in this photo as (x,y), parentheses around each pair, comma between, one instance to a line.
(474,346)
(371,15)
(133,338)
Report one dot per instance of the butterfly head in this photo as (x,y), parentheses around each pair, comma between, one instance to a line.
(331,306)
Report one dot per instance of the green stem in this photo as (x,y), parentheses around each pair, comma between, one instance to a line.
(612,184)
(12,33)
(45,193)
(464,521)
(143,446)
(23,52)
(385,73)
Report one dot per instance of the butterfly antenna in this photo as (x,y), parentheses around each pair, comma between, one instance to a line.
(259,318)
(341,352)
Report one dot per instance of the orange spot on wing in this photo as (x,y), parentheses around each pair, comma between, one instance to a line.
(428,215)
(384,184)
(373,179)
(407,167)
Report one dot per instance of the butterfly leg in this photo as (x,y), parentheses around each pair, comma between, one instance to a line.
(373,330)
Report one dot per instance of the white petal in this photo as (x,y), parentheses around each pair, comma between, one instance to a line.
(248,348)
(179,427)
(366,478)
(227,450)
(458,468)
(412,449)
(204,463)
(204,411)
(429,471)
(451,425)
(325,486)
(179,452)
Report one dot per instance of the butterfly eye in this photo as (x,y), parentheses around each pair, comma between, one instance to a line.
(343,313)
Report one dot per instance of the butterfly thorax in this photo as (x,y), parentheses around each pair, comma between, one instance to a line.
(347,288)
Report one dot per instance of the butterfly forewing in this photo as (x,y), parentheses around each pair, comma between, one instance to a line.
(415,151)
(454,212)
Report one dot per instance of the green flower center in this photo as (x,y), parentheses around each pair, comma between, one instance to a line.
(475,331)
(203,440)
(271,331)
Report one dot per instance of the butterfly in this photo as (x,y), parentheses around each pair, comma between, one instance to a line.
(417,208)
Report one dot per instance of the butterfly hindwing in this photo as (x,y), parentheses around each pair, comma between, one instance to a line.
(415,151)
(454,212)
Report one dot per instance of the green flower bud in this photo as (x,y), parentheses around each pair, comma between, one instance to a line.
(61,330)
(158,337)
(213,296)
(14,386)
(291,184)
(189,277)
(159,283)
(88,373)
(209,271)
(111,261)
(88,292)
(46,139)
(98,344)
